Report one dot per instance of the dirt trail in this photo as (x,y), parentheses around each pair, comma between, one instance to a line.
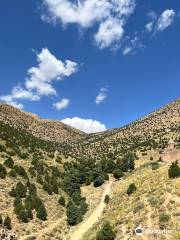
(84,226)
(94,217)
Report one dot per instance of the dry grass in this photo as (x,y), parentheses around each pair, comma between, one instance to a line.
(155,205)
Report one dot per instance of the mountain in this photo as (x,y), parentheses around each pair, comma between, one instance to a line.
(150,133)
(54,131)
(54,178)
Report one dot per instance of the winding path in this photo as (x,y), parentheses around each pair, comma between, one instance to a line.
(94,217)
(85,225)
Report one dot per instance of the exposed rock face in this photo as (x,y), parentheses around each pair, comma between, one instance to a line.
(49,130)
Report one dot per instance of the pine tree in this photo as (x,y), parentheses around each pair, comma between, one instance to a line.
(41,213)
(21,190)
(72,213)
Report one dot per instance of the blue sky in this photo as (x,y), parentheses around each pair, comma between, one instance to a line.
(123,59)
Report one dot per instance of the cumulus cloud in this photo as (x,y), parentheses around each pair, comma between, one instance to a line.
(110,15)
(64,103)
(49,69)
(101,96)
(160,23)
(166,19)
(85,125)
(109,32)
(39,81)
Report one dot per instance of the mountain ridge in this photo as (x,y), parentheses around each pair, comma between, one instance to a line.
(51,130)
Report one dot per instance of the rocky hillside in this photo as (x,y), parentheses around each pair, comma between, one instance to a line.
(54,131)
(51,176)
(151,132)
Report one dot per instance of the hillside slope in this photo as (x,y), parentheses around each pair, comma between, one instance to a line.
(52,163)
(151,132)
(155,206)
(54,131)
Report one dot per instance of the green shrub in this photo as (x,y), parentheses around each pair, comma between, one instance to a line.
(41,213)
(106,232)
(22,215)
(155,166)
(48,188)
(62,201)
(3,171)
(174,170)
(132,188)
(73,214)
(163,218)
(20,171)
(118,173)
(9,162)
(107,199)
(21,190)
(99,181)
(76,196)
(7,223)
(12,173)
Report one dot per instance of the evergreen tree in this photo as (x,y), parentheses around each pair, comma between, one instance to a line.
(21,190)
(22,215)
(72,213)
(174,170)
(41,213)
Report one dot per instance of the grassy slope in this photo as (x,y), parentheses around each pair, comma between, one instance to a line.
(156,195)
(13,140)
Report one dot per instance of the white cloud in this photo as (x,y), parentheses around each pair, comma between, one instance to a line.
(149,27)
(40,79)
(166,19)
(159,24)
(110,31)
(9,100)
(49,69)
(110,15)
(132,45)
(85,125)
(20,93)
(101,96)
(64,103)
